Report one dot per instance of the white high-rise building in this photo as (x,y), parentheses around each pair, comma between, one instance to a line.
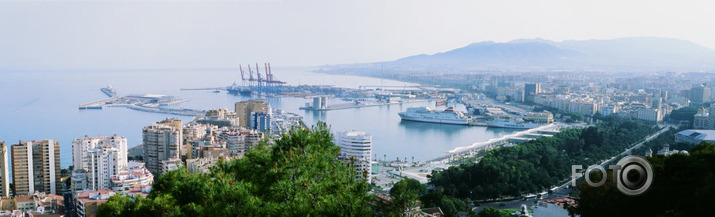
(4,171)
(101,158)
(711,117)
(356,147)
(653,115)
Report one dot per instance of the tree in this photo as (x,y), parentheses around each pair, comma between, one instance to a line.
(684,114)
(405,192)
(300,175)
(491,212)
(682,186)
(538,164)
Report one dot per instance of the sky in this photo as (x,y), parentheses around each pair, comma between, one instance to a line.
(115,35)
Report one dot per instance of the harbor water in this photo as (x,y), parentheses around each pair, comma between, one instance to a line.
(44,105)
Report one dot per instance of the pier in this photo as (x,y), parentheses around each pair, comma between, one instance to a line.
(146,103)
(99,104)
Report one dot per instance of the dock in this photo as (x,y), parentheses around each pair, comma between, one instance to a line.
(204,88)
(97,104)
(359,105)
(173,111)
(146,103)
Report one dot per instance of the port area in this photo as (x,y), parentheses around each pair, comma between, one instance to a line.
(304,91)
(146,103)
(359,104)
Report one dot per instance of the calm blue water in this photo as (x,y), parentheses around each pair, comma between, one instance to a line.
(43,105)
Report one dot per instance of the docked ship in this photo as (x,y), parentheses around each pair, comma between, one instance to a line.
(236,89)
(440,102)
(511,124)
(425,114)
(109,90)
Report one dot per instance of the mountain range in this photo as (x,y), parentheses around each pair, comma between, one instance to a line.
(622,54)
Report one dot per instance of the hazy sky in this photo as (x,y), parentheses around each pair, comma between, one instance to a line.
(120,35)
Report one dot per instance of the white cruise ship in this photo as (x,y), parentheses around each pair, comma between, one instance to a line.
(424,114)
(511,124)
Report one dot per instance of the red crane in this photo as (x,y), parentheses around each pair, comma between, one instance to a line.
(250,73)
(241,69)
(258,73)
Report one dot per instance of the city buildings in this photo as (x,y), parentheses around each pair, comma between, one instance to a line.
(25,203)
(196,135)
(665,151)
(356,149)
(100,158)
(170,164)
(197,132)
(320,102)
(261,122)
(87,202)
(79,181)
(4,171)
(700,94)
(544,117)
(238,140)
(531,90)
(245,108)
(202,165)
(136,174)
(652,115)
(584,105)
(7,203)
(211,152)
(700,120)
(36,167)
(39,204)
(282,122)
(220,118)
(162,141)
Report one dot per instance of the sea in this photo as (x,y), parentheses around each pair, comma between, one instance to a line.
(44,105)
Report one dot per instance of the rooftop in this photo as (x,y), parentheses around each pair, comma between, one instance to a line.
(24,198)
(703,135)
(354,133)
(101,195)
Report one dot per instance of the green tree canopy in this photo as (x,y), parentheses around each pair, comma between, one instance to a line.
(300,175)
(405,192)
(539,164)
(491,212)
(683,185)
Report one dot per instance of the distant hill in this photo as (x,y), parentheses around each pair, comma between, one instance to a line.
(623,54)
